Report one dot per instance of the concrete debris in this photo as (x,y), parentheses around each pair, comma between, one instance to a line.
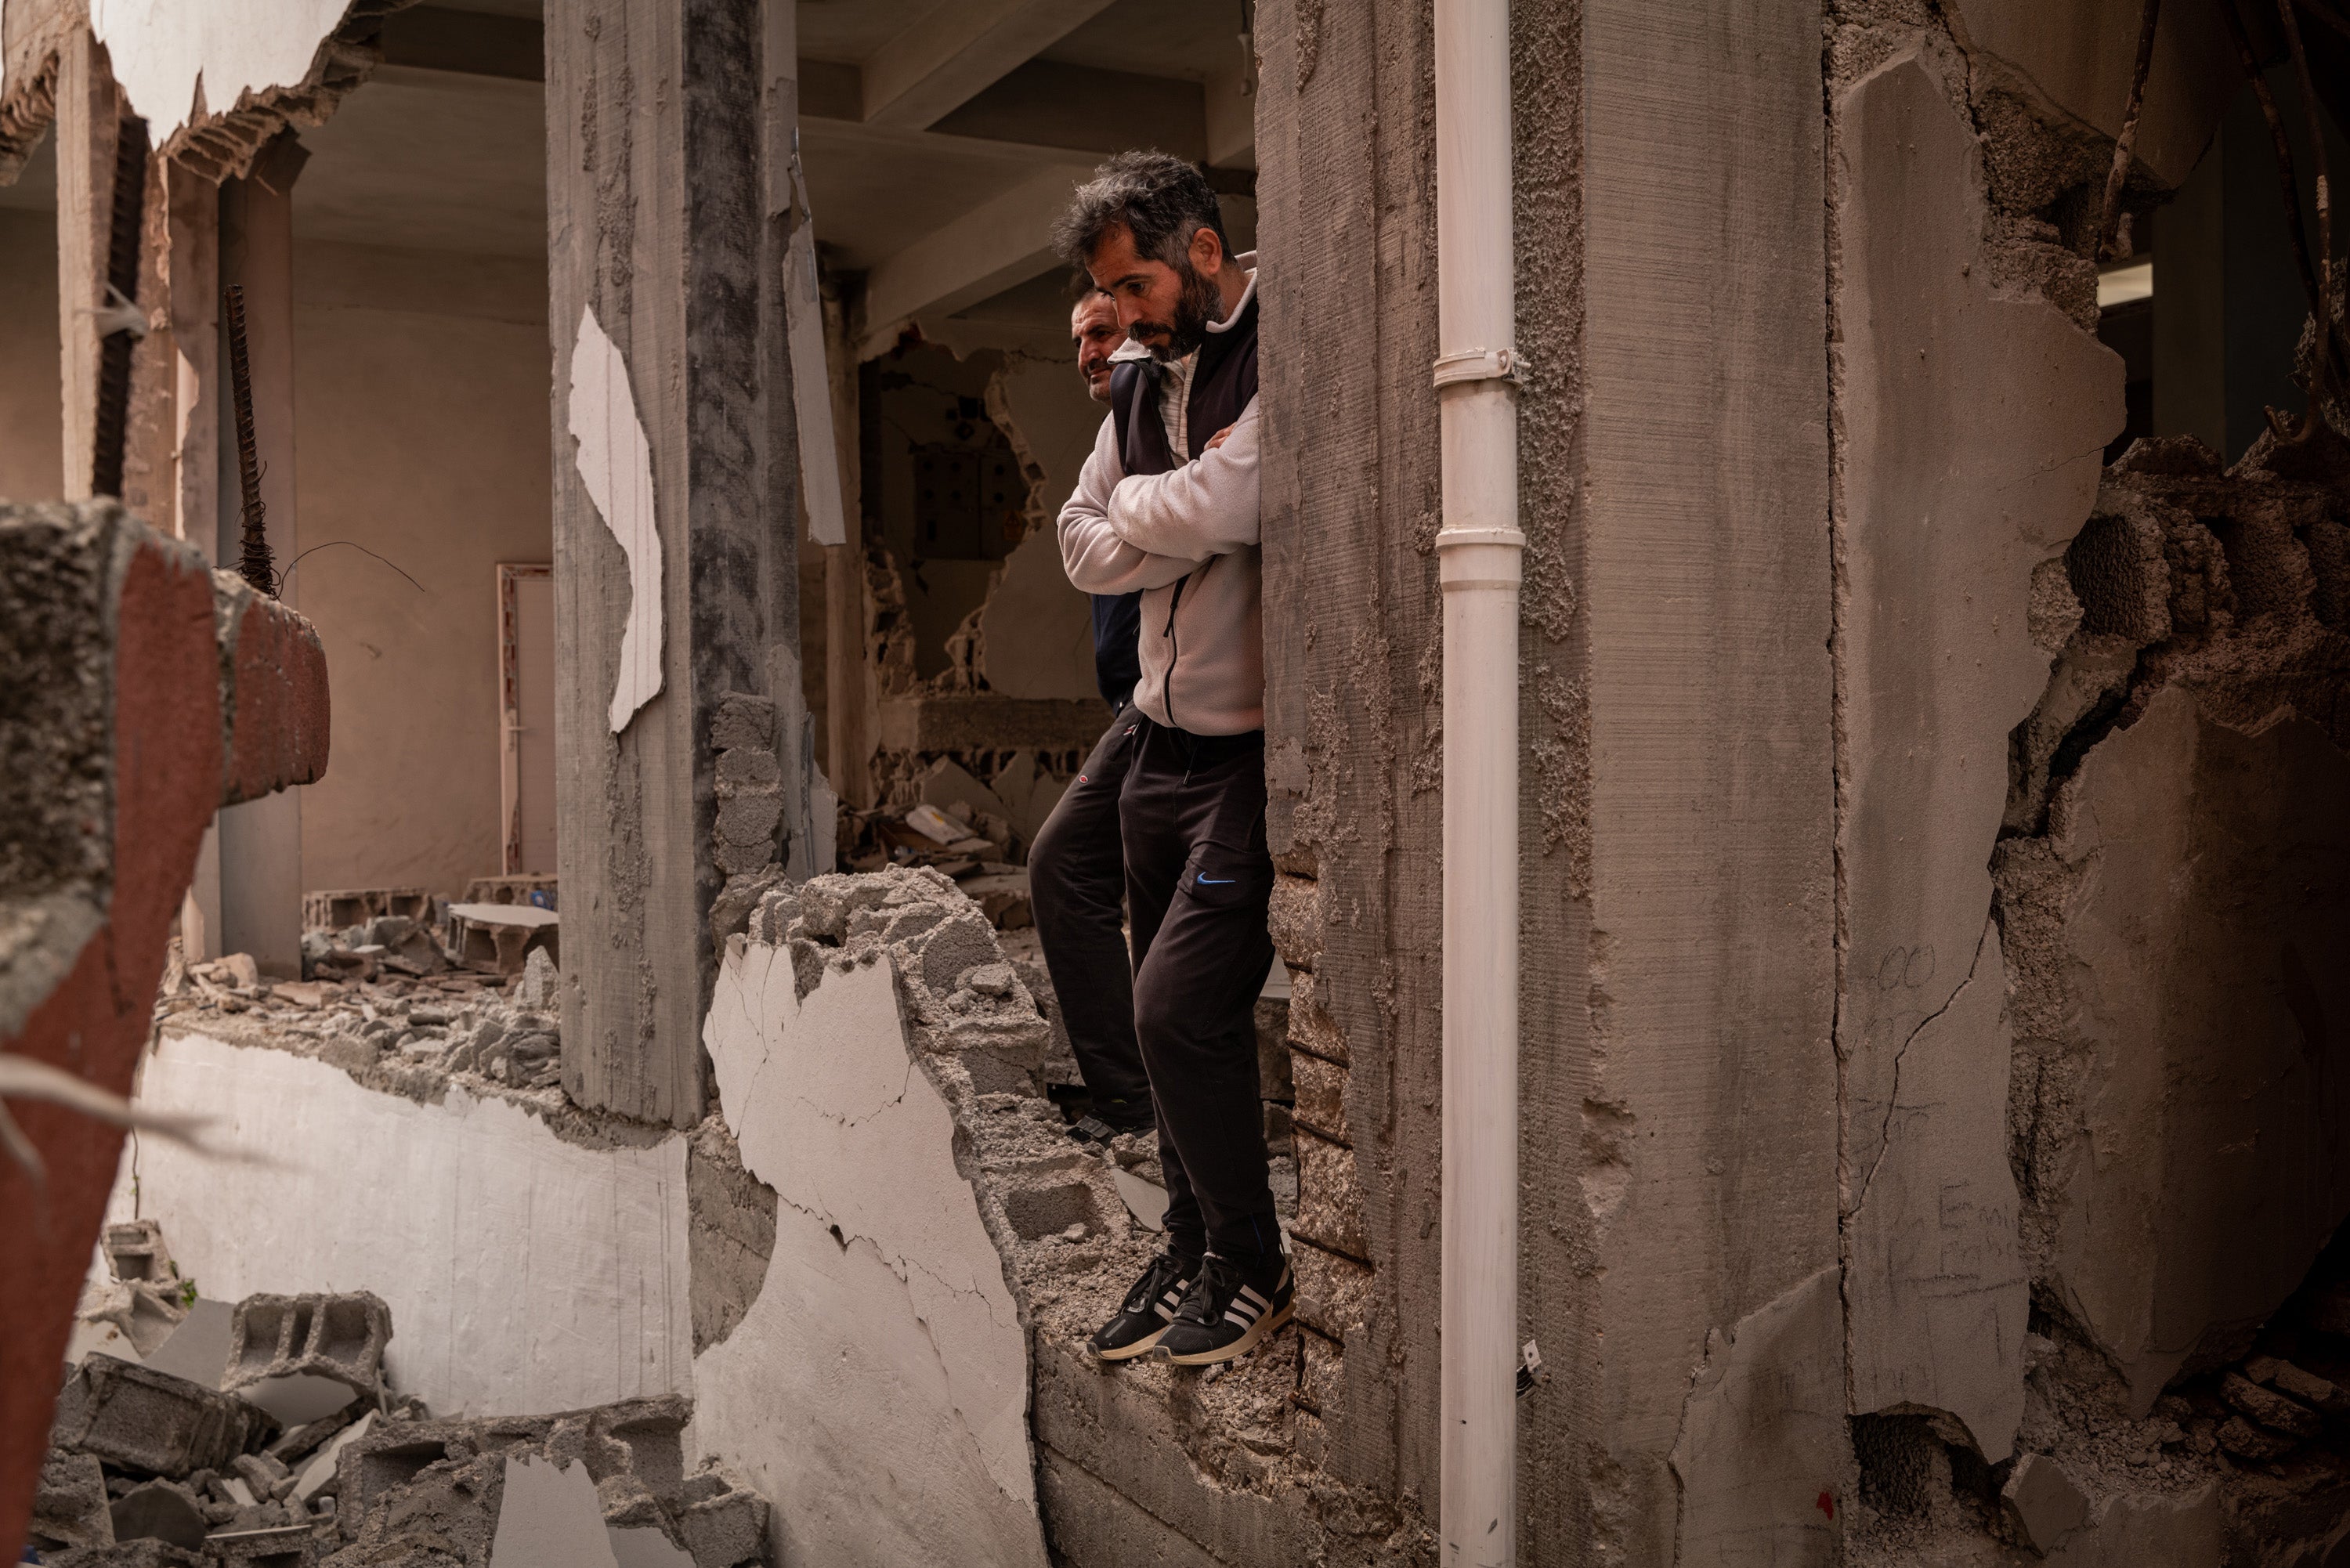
(355,906)
(498,936)
(2044,1502)
(160,1510)
(144,1300)
(70,1508)
(340,1337)
(499,1490)
(404,1034)
(536,989)
(149,1470)
(538,891)
(150,1422)
(143,1553)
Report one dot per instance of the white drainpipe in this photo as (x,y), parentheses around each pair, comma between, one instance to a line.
(1478,550)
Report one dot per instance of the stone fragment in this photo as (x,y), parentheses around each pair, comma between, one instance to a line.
(992,979)
(340,1336)
(2044,1502)
(197,1349)
(320,1470)
(549,1517)
(2308,1387)
(731,910)
(142,1553)
(2269,1407)
(537,988)
(239,969)
(160,1510)
(2246,1441)
(1146,1200)
(69,1508)
(725,1522)
(151,1421)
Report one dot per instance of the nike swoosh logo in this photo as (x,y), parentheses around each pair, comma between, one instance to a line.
(1215,881)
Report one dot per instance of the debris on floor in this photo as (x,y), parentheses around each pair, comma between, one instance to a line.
(383,1022)
(279,1442)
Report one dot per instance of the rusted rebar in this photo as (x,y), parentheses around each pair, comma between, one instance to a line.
(110,424)
(253,562)
(2109,216)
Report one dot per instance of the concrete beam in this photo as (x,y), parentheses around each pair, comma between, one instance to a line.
(999,243)
(944,60)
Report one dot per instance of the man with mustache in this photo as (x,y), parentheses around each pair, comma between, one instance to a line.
(1167,505)
(1077,868)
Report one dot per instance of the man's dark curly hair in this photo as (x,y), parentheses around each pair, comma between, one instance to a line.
(1160,199)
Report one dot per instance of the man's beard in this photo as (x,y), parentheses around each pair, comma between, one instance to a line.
(1199,303)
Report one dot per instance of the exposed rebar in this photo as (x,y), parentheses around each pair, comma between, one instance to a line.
(2109,215)
(253,562)
(111,423)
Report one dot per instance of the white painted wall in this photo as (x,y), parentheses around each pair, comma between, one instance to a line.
(877,1391)
(525,1274)
(159,49)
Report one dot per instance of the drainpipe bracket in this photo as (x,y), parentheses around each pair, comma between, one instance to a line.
(1481,365)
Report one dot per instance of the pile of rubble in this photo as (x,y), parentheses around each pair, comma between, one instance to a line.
(406,1035)
(361,934)
(268,1435)
(975,834)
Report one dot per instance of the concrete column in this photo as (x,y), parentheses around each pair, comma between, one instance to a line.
(665,241)
(190,297)
(88,118)
(260,842)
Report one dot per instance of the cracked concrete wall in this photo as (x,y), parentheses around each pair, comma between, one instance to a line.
(877,1389)
(2207,1162)
(1972,422)
(525,1270)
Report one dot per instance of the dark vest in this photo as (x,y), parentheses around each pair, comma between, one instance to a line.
(1220,389)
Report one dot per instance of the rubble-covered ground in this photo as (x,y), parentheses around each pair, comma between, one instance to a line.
(190,1432)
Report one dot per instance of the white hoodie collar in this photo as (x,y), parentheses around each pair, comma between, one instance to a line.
(1248,260)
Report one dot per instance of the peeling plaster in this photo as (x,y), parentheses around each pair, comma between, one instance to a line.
(1974,426)
(164,51)
(616,465)
(877,1391)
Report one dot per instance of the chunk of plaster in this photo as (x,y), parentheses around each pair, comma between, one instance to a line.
(616,464)
(550,1518)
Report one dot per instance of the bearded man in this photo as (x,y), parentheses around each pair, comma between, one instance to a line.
(1167,506)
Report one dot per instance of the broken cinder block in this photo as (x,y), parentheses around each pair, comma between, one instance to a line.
(150,1421)
(69,1508)
(337,1336)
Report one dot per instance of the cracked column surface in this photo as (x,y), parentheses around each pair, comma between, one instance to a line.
(1973,427)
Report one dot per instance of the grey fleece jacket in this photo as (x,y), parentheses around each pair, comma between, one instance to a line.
(1203,658)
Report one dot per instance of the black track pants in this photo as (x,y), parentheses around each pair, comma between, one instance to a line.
(1076,887)
(1198,884)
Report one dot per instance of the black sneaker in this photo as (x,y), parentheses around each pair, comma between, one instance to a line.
(1149,1307)
(1228,1314)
